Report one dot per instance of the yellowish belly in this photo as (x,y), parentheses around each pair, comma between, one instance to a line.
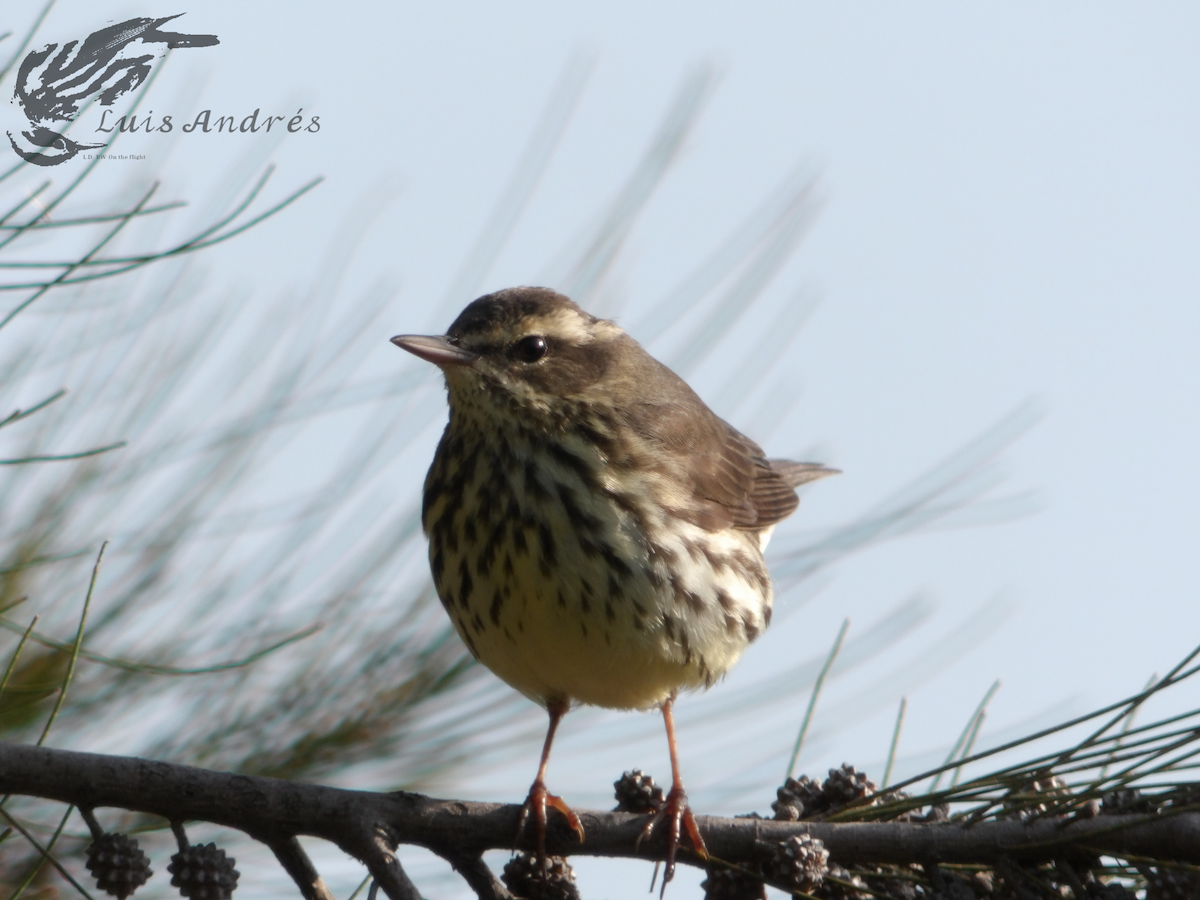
(609,607)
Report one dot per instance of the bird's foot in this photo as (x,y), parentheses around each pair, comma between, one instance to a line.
(676,813)
(539,798)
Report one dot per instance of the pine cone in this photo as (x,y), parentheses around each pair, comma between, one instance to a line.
(799,798)
(204,872)
(1023,806)
(956,888)
(939,812)
(853,888)
(1171,884)
(1185,795)
(799,862)
(1098,891)
(730,884)
(1127,801)
(886,882)
(902,890)
(845,785)
(637,793)
(909,815)
(117,864)
(897,890)
(984,883)
(524,877)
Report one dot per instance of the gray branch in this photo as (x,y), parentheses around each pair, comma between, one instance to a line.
(369,826)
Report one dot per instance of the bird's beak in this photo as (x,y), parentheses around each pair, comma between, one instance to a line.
(435,349)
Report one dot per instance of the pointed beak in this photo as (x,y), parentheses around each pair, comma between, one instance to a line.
(435,349)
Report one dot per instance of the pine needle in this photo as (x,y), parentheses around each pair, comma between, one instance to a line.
(887,771)
(816,692)
(74,658)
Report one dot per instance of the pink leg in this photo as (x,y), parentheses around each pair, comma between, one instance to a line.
(539,798)
(675,811)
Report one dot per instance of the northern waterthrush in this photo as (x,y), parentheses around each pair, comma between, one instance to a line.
(595,531)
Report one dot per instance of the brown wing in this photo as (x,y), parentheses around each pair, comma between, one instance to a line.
(725,481)
(737,486)
(722,478)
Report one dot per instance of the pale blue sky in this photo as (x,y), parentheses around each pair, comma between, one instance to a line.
(1011,212)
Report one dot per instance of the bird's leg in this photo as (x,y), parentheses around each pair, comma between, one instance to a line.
(675,811)
(539,798)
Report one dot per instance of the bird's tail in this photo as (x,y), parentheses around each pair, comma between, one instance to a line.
(798,473)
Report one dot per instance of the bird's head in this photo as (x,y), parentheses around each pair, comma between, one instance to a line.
(526,347)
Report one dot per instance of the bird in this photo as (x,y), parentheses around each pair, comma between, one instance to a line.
(596,532)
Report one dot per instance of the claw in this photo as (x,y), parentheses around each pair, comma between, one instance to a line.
(678,816)
(537,801)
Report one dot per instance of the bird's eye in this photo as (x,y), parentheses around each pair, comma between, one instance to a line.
(531,348)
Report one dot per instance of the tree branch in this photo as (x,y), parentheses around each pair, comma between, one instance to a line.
(297,864)
(370,826)
(386,870)
(481,879)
